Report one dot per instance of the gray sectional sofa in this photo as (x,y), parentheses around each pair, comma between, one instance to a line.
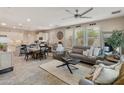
(77,52)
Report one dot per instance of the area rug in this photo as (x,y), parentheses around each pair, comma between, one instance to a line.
(63,73)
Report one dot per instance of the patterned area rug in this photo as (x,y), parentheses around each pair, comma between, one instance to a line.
(63,72)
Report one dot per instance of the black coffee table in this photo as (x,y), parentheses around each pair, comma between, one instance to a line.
(67,61)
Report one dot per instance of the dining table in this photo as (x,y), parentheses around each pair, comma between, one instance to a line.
(34,51)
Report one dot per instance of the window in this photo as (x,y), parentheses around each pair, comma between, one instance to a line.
(79,36)
(93,37)
(68,37)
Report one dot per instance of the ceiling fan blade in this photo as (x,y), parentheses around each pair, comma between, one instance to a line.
(69,12)
(85,17)
(67,17)
(87,11)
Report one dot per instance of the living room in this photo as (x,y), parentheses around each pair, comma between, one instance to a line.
(84,35)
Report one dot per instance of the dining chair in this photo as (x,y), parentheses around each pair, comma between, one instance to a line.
(43,51)
(27,53)
(22,50)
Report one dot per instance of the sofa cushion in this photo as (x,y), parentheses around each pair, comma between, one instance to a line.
(90,58)
(79,47)
(82,57)
(77,51)
(84,47)
(87,59)
(74,55)
(120,80)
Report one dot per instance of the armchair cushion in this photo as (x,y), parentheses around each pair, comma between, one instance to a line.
(108,74)
(118,81)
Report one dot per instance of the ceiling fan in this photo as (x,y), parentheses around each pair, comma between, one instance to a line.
(77,15)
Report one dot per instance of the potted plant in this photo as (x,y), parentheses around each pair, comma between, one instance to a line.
(1,47)
(116,40)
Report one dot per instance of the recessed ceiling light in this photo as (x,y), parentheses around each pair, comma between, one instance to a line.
(20,24)
(3,24)
(28,20)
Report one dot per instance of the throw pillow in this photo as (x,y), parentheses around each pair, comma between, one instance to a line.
(93,69)
(91,51)
(96,51)
(97,72)
(86,52)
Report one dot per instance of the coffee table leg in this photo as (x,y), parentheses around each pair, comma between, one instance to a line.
(61,65)
(74,67)
(69,69)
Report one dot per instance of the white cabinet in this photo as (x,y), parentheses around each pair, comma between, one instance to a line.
(5,60)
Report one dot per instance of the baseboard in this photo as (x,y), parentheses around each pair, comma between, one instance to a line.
(6,70)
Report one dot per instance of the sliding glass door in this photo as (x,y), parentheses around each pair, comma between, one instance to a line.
(79,36)
(82,36)
(68,38)
(93,37)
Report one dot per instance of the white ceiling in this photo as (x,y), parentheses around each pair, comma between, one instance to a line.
(51,17)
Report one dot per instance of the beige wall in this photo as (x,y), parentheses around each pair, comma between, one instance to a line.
(18,36)
(103,25)
(15,35)
(109,24)
(29,37)
(44,35)
(53,36)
